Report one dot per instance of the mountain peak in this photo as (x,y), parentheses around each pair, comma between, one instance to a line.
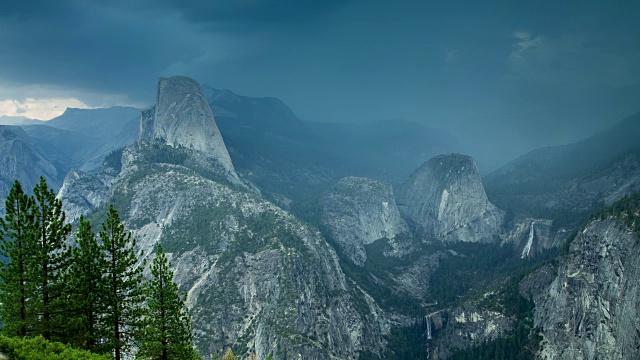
(446,198)
(182,118)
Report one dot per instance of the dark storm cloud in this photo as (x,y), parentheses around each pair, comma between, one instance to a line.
(254,13)
(88,45)
(504,76)
(120,46)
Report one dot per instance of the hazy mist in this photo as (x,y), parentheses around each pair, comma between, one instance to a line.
(502,77)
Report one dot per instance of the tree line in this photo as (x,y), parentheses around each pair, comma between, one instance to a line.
(91,295)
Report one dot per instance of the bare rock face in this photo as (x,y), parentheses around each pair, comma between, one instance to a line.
(256,278)
(468,326)
(591,308)
(81,193)
(531,236)
(20,160)
(182,118)
(358,211)
(446,199)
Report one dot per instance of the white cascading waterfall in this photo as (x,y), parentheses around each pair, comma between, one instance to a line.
(428,320)
(527,248)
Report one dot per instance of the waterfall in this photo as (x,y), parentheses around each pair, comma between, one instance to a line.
(428,320)
(527,248)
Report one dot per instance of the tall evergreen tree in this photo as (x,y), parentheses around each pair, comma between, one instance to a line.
(167,325)
(86,294)
(50,261)
(229,355)
(121,284)
(16,283)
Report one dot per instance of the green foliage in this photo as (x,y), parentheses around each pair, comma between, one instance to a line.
(90,296)
(229,355)
(33,283)
(626,209)
(114,159)
(158,153)
(166,331)
(161,153)
(86,293)
(17,243)
(407,343)
(49,263)
(40,349)
(121,282)
(375,278)
(523,343)
(458,275)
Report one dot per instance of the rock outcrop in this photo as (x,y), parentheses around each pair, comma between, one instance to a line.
(531,236)
(182,118)
(468,326)
(591,308)
(445,199)
(20,160)
(257,279)
(82,193)
(358,211)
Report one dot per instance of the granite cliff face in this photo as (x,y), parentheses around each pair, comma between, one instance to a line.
(182,118)
(20,160)
(257,279)
(358,211)
(531,236)
(445,199)
(82,192)
(467,326)
(591,308)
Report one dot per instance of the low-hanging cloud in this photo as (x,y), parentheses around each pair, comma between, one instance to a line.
(506,72)
(40,109)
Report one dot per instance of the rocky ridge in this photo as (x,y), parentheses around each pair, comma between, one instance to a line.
(358,211)
(20,160)
(590,308)
(257,279)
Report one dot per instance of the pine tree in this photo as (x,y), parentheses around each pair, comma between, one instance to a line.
(229,355)
(167,325)
(121,284)
(16,283)
(49,262)
(86,293)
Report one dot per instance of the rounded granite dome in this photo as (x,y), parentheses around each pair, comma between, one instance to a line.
(445,198)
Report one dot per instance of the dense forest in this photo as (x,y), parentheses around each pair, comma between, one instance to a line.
(87,301)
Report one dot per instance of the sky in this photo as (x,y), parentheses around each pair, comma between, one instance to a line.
(503,76)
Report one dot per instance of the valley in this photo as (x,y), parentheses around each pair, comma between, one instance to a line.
(295,239)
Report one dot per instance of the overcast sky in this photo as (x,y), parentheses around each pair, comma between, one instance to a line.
(503,76)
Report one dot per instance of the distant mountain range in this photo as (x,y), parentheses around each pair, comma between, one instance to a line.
(352,241)
(571,181)
(21,160)
(266,141)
